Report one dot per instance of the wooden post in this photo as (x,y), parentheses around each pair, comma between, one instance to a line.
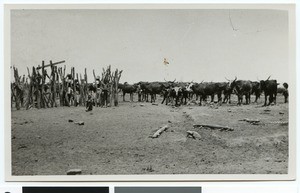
(85,76)
(62,89)
(42,89)
(35,92)
(53,64)
(73,78)
(82,90)
(53,84)
(116,84)
(58,83)
(30,90)
(94,75)
(86,85)
(16,88)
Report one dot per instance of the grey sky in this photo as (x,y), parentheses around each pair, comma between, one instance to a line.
(199,44)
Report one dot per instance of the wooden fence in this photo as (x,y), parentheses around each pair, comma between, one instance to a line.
(43,89)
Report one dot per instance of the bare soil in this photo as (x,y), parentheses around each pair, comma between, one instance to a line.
(117,140)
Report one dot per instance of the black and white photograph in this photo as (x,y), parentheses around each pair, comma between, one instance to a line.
(150,92)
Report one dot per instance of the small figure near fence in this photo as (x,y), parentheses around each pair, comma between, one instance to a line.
(89,103)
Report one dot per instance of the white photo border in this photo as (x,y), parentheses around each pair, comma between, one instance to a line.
(291,175)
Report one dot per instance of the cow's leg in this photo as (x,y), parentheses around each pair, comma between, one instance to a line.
(240,99)
(220,98)
(270,99)
(200,99)
(162,102)
(124,96)
(249,98)
(285,97)
(266,97)
(167,99)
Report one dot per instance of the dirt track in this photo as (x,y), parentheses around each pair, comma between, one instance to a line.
(116,140)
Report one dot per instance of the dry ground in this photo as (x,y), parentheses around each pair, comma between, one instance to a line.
(116,140)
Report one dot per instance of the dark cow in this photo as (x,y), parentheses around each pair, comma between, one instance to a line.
(241,88)
(154,88)
(284,91)
(129,88)
(223,88)
(120,87)
(256,90)
(204,89)
(269,87)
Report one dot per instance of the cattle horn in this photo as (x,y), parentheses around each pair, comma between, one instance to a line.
(269,77)
(174,80)
(227,79)
(165,80)
(235,79)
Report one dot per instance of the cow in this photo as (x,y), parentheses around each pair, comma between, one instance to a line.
(241,88)
(129,88)
(144,88)
(120,87)
(184,91)
(154,88)
(167,90)
(204,89)
(256,90)
(269,87)
(176,93)
(284,91)
(222,88)
(228,90)
(166,95)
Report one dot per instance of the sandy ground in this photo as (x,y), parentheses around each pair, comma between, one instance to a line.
(116,140)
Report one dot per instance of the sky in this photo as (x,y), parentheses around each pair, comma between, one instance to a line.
(200,45)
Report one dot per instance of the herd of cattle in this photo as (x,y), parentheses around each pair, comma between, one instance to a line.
(180,92)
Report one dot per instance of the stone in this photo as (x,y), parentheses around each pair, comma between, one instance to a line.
(74,172)
(79,123)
